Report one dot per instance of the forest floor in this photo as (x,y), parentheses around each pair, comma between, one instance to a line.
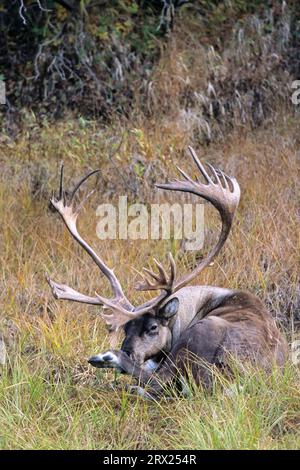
(50,398)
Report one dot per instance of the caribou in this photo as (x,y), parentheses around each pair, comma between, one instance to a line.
(185,329)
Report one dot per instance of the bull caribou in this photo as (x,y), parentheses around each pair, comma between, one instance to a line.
(165,335)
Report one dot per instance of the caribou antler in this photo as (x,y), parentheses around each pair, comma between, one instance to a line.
(121,309)
(222,191)
(64,292)
(65,205)
(162,280)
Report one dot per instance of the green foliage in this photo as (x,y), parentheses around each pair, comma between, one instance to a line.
(99,59)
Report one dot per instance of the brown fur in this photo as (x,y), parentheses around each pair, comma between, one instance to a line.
(239,327)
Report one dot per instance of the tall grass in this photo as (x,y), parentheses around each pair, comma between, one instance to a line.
(39,410)
(49,396)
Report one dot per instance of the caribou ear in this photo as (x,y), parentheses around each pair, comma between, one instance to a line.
(169,309)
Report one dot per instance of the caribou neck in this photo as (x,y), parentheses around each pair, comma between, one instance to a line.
(195,302)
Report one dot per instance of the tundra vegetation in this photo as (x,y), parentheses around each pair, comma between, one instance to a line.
(126,88)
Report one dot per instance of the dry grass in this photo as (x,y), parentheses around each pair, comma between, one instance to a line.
(49,396)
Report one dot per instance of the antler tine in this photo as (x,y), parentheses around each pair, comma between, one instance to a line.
(224,177)
(173,267)
(80,183)
(199,165)
(215,172)
(187,177)
(161,270)
(163,281)
(61,189)
(155,276)
(64,292)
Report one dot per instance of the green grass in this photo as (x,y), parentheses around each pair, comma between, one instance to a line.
(47,409)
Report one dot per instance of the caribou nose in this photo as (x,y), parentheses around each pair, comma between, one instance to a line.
(94,361)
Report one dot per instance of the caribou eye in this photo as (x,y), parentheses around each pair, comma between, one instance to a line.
(153,328)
